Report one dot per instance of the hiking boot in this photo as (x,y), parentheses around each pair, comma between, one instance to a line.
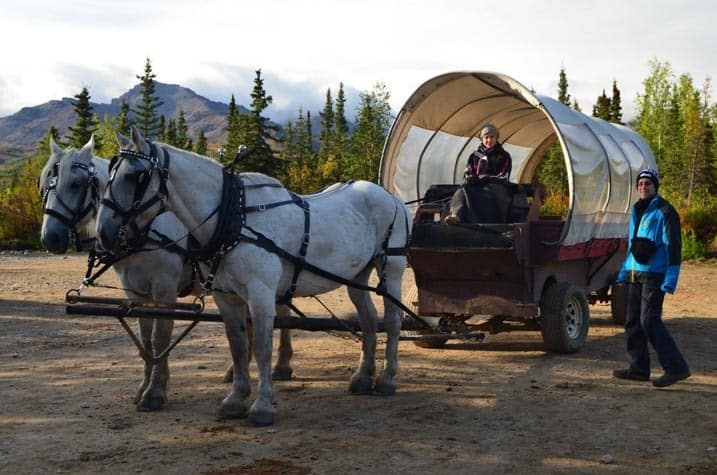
(626,374)
(451,219)
(669,379)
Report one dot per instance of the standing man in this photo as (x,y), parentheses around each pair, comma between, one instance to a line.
(651,268)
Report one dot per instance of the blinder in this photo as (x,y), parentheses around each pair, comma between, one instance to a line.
(143,178)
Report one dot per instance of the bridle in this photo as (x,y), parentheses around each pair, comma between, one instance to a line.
(69,216)
(143,176)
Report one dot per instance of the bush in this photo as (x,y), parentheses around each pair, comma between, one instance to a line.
(692,248)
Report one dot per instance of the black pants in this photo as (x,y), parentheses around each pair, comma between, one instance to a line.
(644,323)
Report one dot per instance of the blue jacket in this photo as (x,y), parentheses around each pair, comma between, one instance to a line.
(661,224)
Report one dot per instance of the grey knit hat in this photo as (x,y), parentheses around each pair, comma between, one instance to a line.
(489,129)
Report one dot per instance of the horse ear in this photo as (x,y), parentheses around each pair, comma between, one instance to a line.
(54,148)
(89,148)
(122,140)
(137,140)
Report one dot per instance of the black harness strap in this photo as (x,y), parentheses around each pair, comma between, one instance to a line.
(301,260)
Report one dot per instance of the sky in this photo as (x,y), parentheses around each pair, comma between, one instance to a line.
(50,49)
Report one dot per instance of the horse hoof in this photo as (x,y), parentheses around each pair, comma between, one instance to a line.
(382,388)
(151,404)
(361,386)
(283,373)
(233,411)
(261,418)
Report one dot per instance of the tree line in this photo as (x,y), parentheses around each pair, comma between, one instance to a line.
(676,118)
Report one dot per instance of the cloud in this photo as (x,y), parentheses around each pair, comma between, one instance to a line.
(218,81)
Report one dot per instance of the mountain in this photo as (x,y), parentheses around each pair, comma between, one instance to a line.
(20,132)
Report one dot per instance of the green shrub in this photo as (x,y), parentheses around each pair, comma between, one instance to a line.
(692,248)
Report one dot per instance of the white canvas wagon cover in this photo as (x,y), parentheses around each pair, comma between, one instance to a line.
(437,128)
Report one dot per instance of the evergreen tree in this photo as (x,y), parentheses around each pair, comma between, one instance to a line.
(123,120)
(615,104)
(162,134)
(236,135)
(257,130)
(86,122)
(327,128)
(551,170)
(183,139)
(602,107)
(146,118)
(563,95)
(201,143)
(170,134)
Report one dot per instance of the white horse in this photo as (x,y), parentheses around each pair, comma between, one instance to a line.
(351,227)
(72,182)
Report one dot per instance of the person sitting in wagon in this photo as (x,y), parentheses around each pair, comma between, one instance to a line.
(491,160)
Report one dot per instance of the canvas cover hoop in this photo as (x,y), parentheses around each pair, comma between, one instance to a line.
(437,129)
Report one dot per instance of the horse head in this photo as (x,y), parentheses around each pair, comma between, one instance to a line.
(135,193)
(70,192)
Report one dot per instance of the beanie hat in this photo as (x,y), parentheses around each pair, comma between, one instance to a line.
(488,129)
(651,175)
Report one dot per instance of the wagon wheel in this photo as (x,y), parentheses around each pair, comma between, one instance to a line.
(410,298)
(618,303)
(565,317)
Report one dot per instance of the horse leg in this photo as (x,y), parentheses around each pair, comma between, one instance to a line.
(386,382)
(154,397)
(282,370)
(362,379)
(262,309)
(145,336)
(234,311)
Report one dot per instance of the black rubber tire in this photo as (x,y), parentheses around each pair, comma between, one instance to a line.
(618,303)
(564,318)
(410,299)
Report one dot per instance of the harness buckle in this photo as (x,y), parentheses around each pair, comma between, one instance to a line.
(305,242)
(262,207)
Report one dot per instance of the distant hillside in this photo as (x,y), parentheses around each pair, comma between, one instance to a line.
(20,132)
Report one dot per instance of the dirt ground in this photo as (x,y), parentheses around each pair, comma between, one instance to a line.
(501,406)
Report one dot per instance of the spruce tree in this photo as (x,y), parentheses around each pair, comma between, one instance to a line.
(615,105)
(86,123)
(183,139)
(201,148)
(145,112)
(235,132)
(123,121)
(257,130)
(563,95)
(170,134)
(327,128)
(602,107)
